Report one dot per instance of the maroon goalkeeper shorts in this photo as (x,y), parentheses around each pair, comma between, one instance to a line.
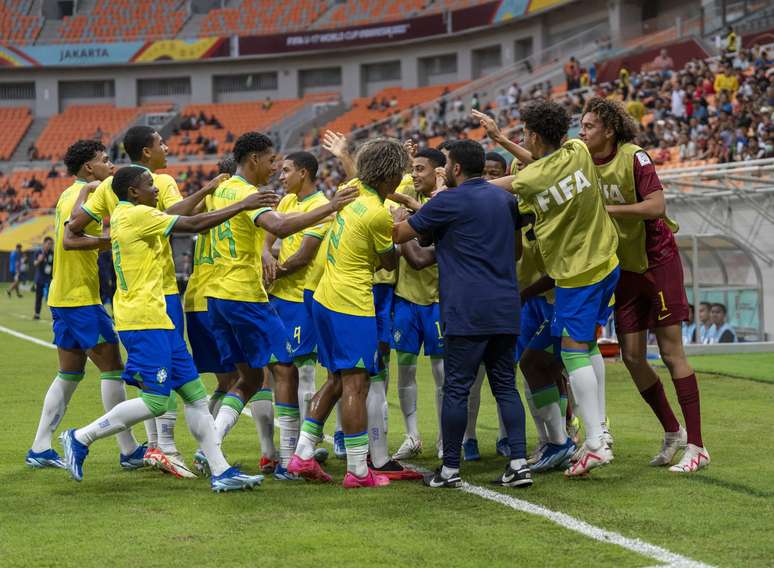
(653,299)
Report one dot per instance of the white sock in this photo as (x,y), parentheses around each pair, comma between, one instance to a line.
(436,366)
(474,404)
(407,395)
(376,404)
(356,460)
(540,425)
(214,405)
(339,427)
(54,407)
(583,382)
(151,432)
(555,425)
(202,427)
(114,393)
(263,416)
(225,421)
(517,464)
(447,472)
(306,445)
(166,428)
(306,388)
(599,371)
(288,427)
(121,417)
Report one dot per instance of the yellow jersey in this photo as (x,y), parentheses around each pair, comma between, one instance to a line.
(316,268)
(101,203)
(291,287)
(358,235)
(406,187)
(236,247)
(138,234)
(417,286)
(195,299)
(76,276)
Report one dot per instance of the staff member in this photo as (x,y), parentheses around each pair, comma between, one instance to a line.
(44,266)
(474,226)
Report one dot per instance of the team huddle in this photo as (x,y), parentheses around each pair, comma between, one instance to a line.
(356,277)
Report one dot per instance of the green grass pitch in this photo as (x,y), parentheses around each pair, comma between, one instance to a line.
(721,516)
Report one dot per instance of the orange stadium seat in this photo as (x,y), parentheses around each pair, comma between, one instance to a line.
(15,121)
(16,25)
(363,12)
(52,187)
(262,17)
(84,121)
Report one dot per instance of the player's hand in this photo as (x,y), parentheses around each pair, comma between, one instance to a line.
(344,197)
(399,214)
(269,264)
(335,143)
(406,200)
(213,184)
(487,123)
(410,147)
(259,200)
(440,181)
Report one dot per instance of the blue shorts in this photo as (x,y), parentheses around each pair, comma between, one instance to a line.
(249,332)
(203,345)
(536,312)
(175,313)
(82,327)
(415,325)
(157,361)
(299,324)
(345,341)
(578,311)
(383,298)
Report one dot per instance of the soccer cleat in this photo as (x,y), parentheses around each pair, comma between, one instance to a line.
(553,456)
(201,464)
(470,450)
(177,461)
(282,474)
(503,448)
(536,454)
(157,459)
(573,429)
(338,445)
(437,481)
(74,454)
(234,480)
(135,460)
(607,437)
(321,455)
(694,459)
(396,472)
(588,459)
(673,441)
(268,465)
(48,458)
(308,469)
(514,478)
(410,448)
(371,479)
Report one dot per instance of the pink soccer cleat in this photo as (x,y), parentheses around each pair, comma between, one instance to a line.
(372,479)
(308,469)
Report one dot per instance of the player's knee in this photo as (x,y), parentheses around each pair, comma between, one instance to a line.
(156,403)
(192,392)
(633,358)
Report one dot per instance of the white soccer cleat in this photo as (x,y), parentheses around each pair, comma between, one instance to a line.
(673,441)
(607,437)
(588,459)
(694,459)
(410,448)
(179,464)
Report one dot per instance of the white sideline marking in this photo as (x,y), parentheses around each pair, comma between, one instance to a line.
(670,559)
(27,337)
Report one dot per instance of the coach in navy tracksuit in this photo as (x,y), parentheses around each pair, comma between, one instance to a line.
(474,226)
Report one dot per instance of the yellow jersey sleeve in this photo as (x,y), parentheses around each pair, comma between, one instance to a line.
(169,194)
(381,231)
(154,223)
(102,201)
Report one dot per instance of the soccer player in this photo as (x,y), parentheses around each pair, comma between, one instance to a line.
(578,243)
(82,327)
(248,331)
(146,148)
(650,293)
(359,241)
(14,265)
(158,361)
(417,314)
(297,252)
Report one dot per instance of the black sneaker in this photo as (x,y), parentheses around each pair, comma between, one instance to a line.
(514,478)
(437,481)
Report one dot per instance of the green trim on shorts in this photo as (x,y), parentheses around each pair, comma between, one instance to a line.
(305,360)
(574,360)
(156,403)
(190,393)
(406,359)
(594,349)
(70,376)
(563,404)
(111,375)
(173,400)
(263,394)
(379,377)
(545,396)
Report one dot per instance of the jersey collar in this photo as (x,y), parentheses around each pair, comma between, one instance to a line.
(235,176)
(372,190)
(310,196)
(147,169)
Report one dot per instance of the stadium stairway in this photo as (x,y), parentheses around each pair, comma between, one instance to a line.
(33,132)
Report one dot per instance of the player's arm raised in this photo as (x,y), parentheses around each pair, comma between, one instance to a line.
(188,205)
(284,225)
(204,221)
(336,144)
(496,135)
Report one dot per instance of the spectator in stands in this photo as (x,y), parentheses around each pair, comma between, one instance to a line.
(229,137)
(514,94)
(593,73)
(704,322)
(202,119)
(32,152)
(393,101)
(34,184)
(678,103)
(663,63)
(731,41)
(267,104)
(475,102)
(624,82)
(186,140)
(687,147)
(689,327)
(663,155)
(636,108)
(726,80)
(502,99)
(720,331)
(52,173)
(44,268)
(98,135)
(572,74)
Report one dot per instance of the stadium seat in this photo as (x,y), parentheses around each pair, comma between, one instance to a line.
(15,121)
(262,17)
(16,25)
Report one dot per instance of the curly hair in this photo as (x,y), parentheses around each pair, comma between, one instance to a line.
(381,159)
(81,152)
(547,119)
(227,165)
(614,116)
(251,142)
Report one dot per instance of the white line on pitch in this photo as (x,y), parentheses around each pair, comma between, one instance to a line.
(562,519)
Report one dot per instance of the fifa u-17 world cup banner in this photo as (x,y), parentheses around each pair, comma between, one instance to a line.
(66,54)
(355,36)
